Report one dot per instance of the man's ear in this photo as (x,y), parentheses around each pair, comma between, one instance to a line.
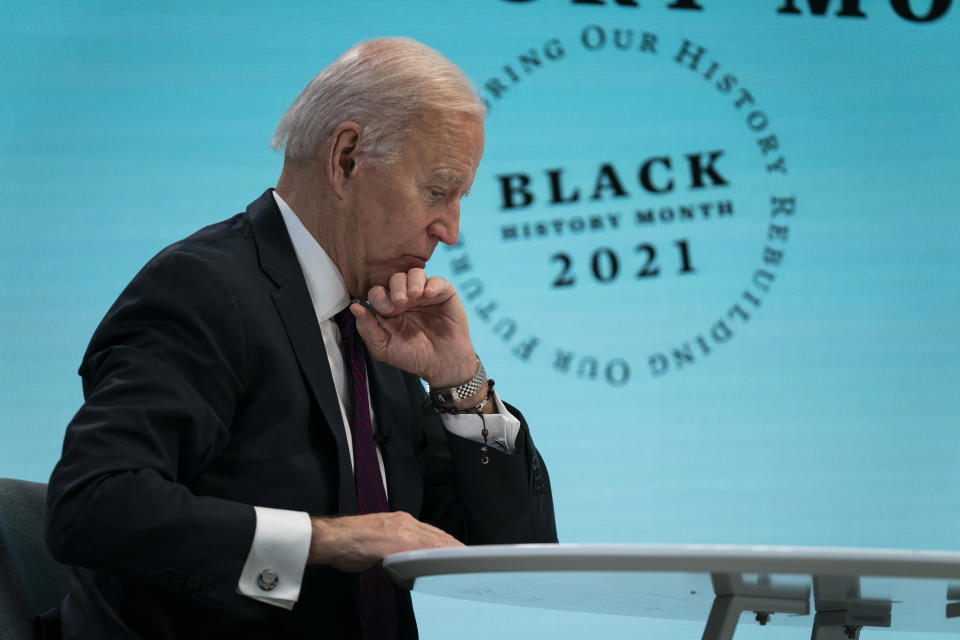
(342,155)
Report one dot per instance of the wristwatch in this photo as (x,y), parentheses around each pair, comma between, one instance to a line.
(451,395)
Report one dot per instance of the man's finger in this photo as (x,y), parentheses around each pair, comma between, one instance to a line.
(425,536)
(380,300)
(416,281)
(444,539)
(370,330)
(437,287)
(398,288)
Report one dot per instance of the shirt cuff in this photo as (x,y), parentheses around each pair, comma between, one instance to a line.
(278,556)
(502,426)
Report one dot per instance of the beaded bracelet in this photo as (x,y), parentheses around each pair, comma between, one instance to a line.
(477,409)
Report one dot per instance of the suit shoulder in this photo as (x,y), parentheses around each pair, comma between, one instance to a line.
(200,271)
(188,287)
(222,241)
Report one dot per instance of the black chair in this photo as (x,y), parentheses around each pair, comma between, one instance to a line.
(31,581)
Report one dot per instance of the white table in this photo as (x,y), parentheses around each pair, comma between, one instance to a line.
(845,589)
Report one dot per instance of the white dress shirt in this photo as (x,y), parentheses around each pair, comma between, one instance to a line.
(274,567)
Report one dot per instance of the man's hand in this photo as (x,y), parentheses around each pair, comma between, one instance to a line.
(422,329)
(356,543)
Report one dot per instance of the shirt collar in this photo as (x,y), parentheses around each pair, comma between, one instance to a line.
(327,290)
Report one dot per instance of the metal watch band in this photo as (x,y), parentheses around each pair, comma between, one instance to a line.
(450,395)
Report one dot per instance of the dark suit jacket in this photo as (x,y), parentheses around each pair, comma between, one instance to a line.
(208,391)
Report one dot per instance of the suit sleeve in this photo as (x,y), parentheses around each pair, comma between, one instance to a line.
(506,501)
(162,378)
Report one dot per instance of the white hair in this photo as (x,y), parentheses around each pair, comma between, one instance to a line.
(383,85)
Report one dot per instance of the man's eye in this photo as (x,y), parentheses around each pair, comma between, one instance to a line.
(436,193)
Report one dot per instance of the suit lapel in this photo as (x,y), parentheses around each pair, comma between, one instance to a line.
(292,300)
(391,406)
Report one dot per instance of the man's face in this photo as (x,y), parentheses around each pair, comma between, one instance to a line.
(399,212)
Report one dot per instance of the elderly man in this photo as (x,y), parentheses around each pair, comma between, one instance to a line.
(252,444)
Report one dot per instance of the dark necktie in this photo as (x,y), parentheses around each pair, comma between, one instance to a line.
(378,604)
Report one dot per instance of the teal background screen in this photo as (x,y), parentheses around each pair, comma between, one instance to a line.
(711,254)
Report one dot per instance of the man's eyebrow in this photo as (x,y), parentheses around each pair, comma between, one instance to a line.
(448,177)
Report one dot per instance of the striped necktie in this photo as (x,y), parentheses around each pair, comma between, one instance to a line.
(378,604)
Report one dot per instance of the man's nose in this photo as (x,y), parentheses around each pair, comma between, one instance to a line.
(446,228)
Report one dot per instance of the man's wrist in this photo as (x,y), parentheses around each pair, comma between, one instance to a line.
(480,402)
(459,394)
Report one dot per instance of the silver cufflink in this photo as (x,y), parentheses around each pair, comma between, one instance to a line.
(268,579)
